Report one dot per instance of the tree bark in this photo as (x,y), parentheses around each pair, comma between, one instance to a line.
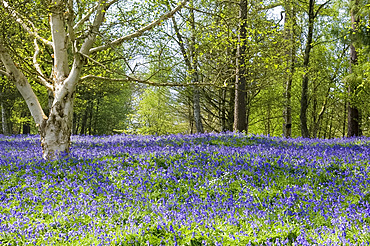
(222,111)
(91,107)
(289,24)
(84,121)
(4,118)
(318,119)
(304,95)
(56,130)
(22,85)
(75,123)
(240,81)
(26,128)
(353,115)
(197,114)
(191,62)
(195,74)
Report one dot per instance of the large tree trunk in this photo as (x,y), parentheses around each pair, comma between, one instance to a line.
(353,128)
(240,109)
(304,95)
(56,131)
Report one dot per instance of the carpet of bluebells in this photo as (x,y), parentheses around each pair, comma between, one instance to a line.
(206,189)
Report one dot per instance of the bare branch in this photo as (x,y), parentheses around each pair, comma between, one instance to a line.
(321,6)
(131,78)
(141,30)
(181,44)
(270,6)
(20,19)
(38,68)
(147,82)
(101,64)
(108,4)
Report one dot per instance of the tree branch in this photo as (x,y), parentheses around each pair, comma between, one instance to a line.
(71,31)
(321,6)
(147,82)
(131,78)
(5,74)
(86,17)
(23,86)
(270,6)
(91,36)
(141,30)
(71,81)
(59,37)
(38,68)
(20,19)
(181,44)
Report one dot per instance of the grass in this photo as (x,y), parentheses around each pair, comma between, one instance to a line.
(209,189)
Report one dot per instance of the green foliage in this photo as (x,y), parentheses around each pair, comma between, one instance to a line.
(155,113)
(102,108)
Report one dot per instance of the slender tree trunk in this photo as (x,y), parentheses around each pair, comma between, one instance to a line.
(330,125)
(344,119)
(288,108)
(195,75)
(75,123)
(230,112)
(320,116)
(190,116)
(268,123)
(84,121)
(240,81)
(314,109)
(353,128)
(191,62)
(96,116)
(289,24)
(222,112)
(304,95)
(197,115)
(91,107)
(4,118)
(26,128)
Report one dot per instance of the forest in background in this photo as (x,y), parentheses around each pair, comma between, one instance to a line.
(292,68)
